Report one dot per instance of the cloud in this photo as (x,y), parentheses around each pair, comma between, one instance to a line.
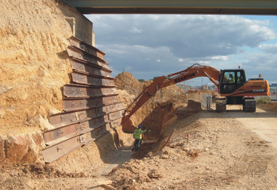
(269,48)
(186,35)
(135,30)
(223,58)
(260,63)
(155,45)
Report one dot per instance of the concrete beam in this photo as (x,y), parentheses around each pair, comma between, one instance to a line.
(251,7)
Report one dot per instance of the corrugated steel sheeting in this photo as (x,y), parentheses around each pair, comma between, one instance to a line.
(90,106)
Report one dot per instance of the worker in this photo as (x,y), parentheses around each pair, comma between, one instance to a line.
(138,137)
(231,85)
(232,79)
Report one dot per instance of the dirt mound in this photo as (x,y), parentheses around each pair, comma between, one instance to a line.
(126,81)
(134,172)
(153,161)
(268,106)
(40,171)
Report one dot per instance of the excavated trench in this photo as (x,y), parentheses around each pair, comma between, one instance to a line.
(158,114)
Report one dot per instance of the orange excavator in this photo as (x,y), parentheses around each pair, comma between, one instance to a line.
(231,83)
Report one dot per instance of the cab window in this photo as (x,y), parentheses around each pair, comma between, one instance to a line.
(229,78)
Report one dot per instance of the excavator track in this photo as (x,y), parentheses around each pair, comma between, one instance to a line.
(221,104)
(249,105)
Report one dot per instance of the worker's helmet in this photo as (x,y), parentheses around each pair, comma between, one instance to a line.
(139,126)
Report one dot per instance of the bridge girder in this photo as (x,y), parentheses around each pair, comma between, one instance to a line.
(242,7)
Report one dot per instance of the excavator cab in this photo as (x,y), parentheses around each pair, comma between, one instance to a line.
(231,80)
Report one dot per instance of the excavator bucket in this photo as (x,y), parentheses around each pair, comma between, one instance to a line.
(127,125)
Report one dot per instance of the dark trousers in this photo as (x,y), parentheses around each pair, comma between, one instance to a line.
(137,144)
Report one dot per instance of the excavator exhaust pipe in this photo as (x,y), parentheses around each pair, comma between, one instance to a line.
(127,125)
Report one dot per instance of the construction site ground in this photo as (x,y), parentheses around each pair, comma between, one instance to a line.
(230,150)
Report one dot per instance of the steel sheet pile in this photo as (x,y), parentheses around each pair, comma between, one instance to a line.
(90,106)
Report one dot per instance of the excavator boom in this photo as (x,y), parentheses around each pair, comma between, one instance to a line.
(191,72)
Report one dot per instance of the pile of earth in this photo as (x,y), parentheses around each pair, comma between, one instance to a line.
(39,171)
(269,106)
(152,162)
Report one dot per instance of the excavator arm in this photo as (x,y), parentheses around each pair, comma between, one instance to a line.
(191,72)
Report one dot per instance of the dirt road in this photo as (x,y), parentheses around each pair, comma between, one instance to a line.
(263,123)
(231,150)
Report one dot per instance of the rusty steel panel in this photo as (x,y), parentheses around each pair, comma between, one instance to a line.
(82,92)
(109,91)
(90,69)
(78,85)
(74,53)
(84,79)
(71,91)
(65,146)
(90,65)
(61,134)
(99,131)
(86,47)
(95,133)
(96,122)
(113,107)
(65,131)
(67,118)
(115,115)
(63,119)
(54,152)
(71,105)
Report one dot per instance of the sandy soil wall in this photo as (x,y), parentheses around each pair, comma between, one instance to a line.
(34,66)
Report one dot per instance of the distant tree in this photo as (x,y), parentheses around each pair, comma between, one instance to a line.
(141,80)
(160,76)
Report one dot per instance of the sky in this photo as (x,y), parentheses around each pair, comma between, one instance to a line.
(152,45)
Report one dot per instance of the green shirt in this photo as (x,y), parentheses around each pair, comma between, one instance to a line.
(138,133)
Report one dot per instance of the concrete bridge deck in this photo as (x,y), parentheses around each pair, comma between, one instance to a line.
(246,7)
